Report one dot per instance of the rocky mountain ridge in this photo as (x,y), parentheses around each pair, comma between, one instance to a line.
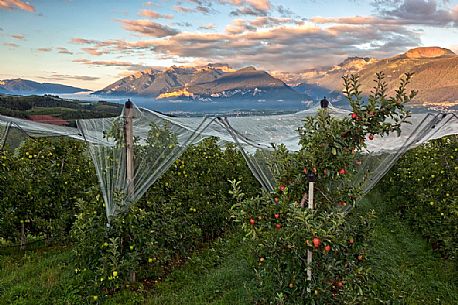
(24,86)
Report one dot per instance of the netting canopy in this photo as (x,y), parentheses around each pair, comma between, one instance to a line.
(157,143)
(132,151)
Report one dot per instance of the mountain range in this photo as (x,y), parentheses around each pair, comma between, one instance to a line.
(23,86)
(435,77)
(213,81)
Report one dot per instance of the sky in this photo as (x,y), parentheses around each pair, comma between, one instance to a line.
(91,44)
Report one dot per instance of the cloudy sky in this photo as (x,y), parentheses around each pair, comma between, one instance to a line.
(91,43)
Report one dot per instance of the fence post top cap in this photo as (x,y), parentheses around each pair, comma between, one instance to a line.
(129,104)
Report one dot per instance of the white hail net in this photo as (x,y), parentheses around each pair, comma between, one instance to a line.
(159,140)
(157,144)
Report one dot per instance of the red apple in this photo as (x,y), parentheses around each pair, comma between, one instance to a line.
(276,215)
(316,242)
(252,221)
(342,203)
(327,248)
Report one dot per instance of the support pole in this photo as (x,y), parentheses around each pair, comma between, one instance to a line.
(23,238)
(312,179)
(129,138)
(129,143)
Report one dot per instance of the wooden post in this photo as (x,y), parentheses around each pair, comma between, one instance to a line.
(129,138)
(23,238)
(129,143)
(312,179)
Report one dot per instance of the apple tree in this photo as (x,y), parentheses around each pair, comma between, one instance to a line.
(283,231)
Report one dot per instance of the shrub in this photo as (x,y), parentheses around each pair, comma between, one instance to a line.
(282,231)
(188,206)
(41,182)
(282,234)
(422,189)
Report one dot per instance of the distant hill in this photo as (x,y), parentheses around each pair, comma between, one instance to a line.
(23,87)
(213,81)
(435,75)
(54,109)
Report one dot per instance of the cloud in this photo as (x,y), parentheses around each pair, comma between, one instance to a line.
(358,20)
(1,30)
(209,26)
(418,12)
(64,51)
(154,15)
(284,11)
(183,9)
(18,36)
(275,43)
(44,49)
(112,63)
(264,21)
(201,6)
(247,11)
(289,47)
(183,24)
(261,5)
(94,51)
(238,26)
(82,41)
(249,7)
(148,28)
(63,77)
(10,44)
(14,4)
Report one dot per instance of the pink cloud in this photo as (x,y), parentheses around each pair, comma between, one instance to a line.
(357,20)
(94,51)
(64,51)
(183,9)
(148,28)
(261,5)
(13,4)
(10,44)
(209,26)
(44,49)
(18,36)
(154,15)
(249,7)
(111,63)
(276,43)
(83,41)
(62,77)
(238,26)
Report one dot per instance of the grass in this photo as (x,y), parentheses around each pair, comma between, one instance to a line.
(220,275)
(404,268)
(404,271)
(37,277)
